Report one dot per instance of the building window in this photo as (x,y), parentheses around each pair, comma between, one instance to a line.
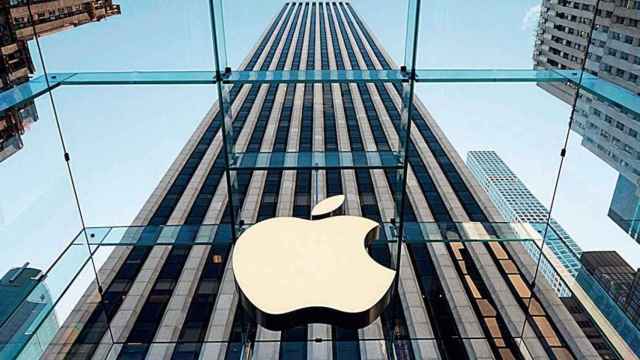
(608,119)
(615,35)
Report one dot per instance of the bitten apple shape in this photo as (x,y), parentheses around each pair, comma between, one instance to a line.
(292,271)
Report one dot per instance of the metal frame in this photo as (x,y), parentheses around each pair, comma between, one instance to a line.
(38,86)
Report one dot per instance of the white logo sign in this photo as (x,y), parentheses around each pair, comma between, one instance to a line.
(292,271)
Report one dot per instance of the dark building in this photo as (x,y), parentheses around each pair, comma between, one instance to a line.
(617,278)
(457,300)
(590,329)
(17,23)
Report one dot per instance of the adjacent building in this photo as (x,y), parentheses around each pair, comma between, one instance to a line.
(613,54)
(18,23)
(457,299)
(25,312)
(617,278)
(589,328)
(516,203)
(625,206)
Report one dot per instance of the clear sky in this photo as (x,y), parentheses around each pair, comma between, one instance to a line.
(122,139)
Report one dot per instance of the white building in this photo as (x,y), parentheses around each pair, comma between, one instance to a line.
(516,203)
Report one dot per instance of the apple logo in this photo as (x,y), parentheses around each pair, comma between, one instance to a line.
(292,271)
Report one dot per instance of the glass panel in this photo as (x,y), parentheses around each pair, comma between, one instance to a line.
(28,91)
(490,75)
(38,212)
(416,232)
(122,142)
(605,90)
(130,36)
(157,235)
(141,78)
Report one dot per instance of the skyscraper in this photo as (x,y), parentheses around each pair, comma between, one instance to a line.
(19,20)
(25,303)
(607,130)
(516,203)
(458,300)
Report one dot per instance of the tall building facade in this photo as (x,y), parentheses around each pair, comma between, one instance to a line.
(516,203)
(18,21)
(608,131)
(25,304)
(456,300)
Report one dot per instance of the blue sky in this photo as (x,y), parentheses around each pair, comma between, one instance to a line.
(122,139)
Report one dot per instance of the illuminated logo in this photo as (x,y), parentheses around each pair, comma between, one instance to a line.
(292,271)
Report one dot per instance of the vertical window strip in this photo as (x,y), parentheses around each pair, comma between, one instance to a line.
(293,341)
(345,342)
(302,194)
(333,177)
(195,326)
(242,335)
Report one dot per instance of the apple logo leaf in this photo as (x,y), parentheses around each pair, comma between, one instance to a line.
(291,271)
(327,207)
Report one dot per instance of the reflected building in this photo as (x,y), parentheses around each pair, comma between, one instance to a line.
(456,300)
(516,203)
(25,308)
(18,23)
(607,130)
